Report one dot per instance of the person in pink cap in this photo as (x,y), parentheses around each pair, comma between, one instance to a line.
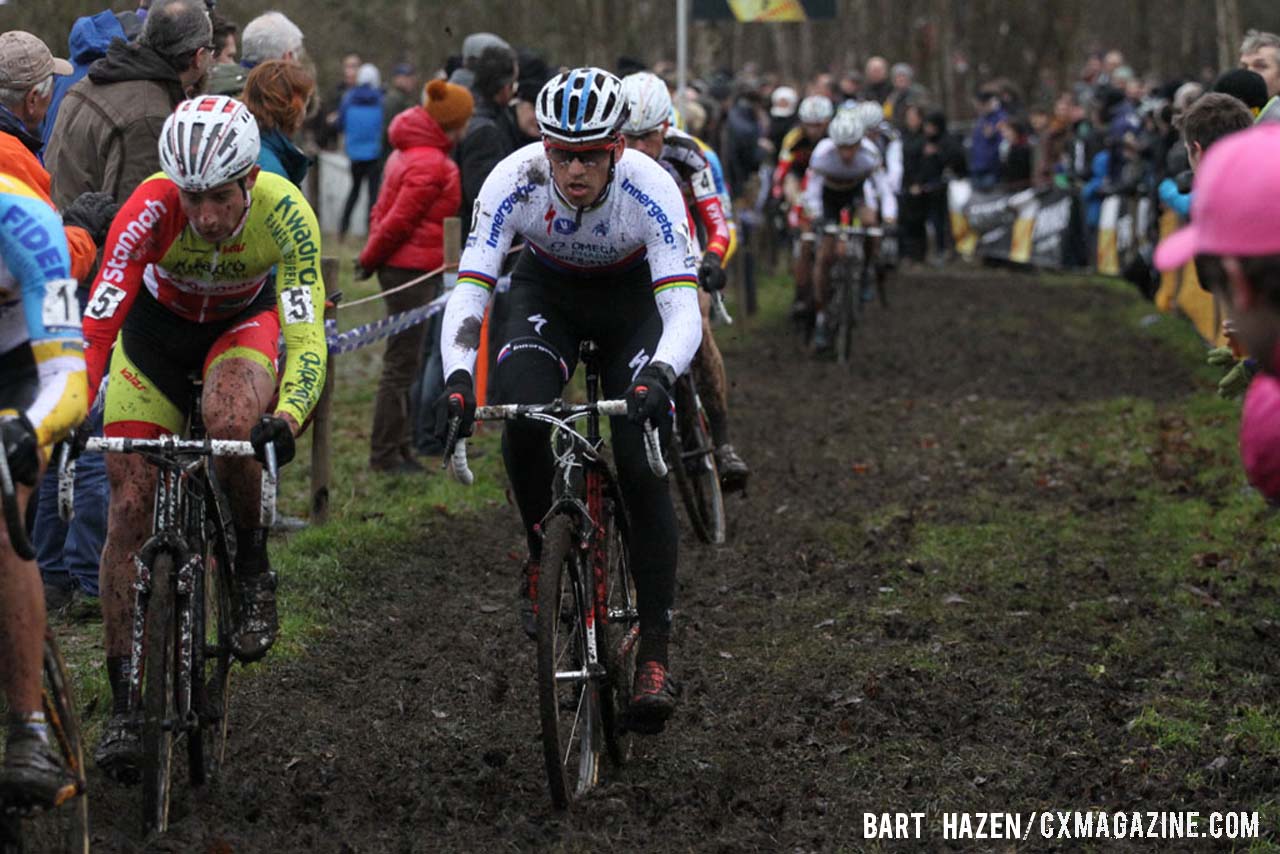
(1234,239)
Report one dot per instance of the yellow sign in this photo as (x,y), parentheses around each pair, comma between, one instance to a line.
(768,10)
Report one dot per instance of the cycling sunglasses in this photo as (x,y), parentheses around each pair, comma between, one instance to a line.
(589,157)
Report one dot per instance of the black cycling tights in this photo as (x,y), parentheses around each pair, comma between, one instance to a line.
(545,323)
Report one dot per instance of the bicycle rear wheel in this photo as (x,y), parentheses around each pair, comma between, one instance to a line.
(619,634)
(568,695)
(697,477)
(158,696)
(65,828)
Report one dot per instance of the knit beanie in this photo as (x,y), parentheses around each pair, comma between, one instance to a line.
(450,105)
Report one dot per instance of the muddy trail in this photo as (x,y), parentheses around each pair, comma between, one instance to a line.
(836,655)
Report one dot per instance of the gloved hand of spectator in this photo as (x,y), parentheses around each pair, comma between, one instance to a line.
(1237,380)
(711,274)
(458,399)
(362,272)
(1221,357)
(649,396)
(93,212)
(21,449)
(272,430)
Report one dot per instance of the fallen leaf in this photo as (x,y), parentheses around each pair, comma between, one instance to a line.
(955,599)
(490,608)
(825,624)
(726,655)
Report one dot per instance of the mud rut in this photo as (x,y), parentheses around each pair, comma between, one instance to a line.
(411,726)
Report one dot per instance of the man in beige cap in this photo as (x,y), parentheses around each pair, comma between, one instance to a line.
(26,81)
(27,70)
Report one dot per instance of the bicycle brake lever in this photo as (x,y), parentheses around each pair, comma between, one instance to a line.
(719,313)
(653,451)
(270,480)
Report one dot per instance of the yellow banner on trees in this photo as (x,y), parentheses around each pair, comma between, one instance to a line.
(768,10)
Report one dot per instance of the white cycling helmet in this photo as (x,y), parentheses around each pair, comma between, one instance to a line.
(583,105)
(816,108)
(207,142)
(870,112)
(847,128)
(648,103)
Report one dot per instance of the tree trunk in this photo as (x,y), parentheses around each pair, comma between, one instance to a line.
(1228,20)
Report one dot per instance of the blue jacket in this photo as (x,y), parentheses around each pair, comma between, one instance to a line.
(360,119)
(1178,202)
(1092,191)
(89,40)
(984,150)
(280,156)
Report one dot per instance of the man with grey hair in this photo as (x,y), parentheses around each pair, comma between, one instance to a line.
(472,47)
(875,79)
(905,92)
(106,132)
(1260,53)
(271,35)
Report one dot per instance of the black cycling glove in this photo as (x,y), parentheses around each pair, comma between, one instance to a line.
(93,212)
(21,449)
(711,274)
(272,430)
(459,399)
(649,397)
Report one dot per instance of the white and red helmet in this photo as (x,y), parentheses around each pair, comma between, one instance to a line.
(648,100)
(209,141)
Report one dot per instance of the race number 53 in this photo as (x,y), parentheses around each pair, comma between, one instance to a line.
(297,305)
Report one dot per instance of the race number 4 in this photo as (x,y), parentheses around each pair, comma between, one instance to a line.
(297,305)
(61,309)
(104,302)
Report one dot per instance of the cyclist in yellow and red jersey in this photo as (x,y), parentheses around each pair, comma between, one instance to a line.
(42,397)
(788,184)
(648,130)
(184,290)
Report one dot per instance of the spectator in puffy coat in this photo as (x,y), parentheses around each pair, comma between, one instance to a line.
(406,239)
(277,92)
(90,37)
(360,120)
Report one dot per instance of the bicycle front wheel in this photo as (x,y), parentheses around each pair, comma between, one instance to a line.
(568,693)
(65,828)
(846,314)
(158,696)
(619,632)
(211,663)
(697,477)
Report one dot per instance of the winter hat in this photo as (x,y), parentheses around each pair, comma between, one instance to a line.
(449,104)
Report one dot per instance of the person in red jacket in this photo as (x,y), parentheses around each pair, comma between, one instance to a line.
(420,188)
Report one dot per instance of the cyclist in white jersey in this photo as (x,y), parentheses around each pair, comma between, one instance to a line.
(845,172)
(608,256)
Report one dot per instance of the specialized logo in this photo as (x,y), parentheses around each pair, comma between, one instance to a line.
(538,322)
(637,363)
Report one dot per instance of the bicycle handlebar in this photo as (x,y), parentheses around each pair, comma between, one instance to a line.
(558,413)
(171,447)
(12,518)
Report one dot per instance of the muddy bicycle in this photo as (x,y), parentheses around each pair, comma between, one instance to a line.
(692,453)
(183,617)
(588,625)
(852,273)
(25,829)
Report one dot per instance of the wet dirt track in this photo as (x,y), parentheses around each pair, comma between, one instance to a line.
(412,726)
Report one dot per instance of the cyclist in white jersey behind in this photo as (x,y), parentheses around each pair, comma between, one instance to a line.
(845,172)
(608,256)
(649,131)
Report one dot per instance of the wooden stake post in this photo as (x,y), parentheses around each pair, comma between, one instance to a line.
(322,423)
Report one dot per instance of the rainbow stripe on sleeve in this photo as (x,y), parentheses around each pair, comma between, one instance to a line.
(474,277)
(679,281)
